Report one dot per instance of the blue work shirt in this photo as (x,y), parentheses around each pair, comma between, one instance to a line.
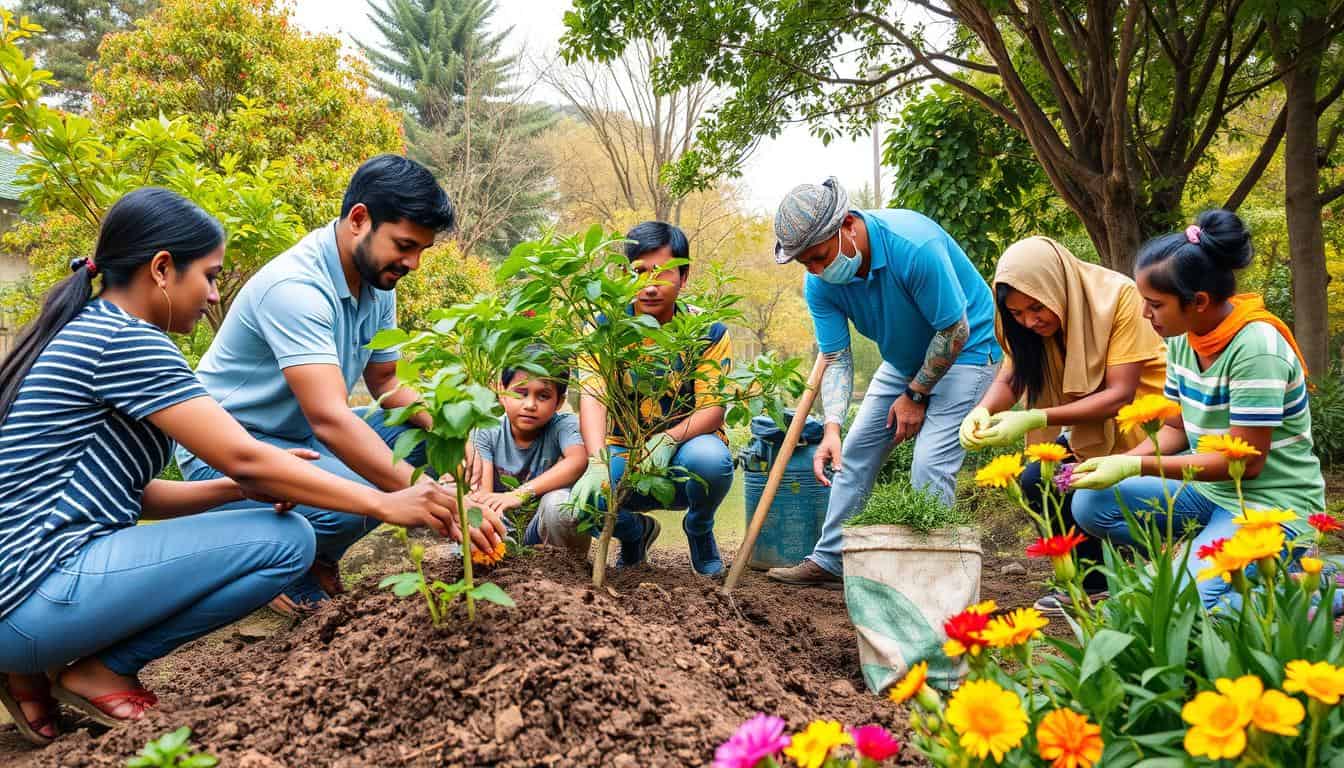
(297,310)
(919,281)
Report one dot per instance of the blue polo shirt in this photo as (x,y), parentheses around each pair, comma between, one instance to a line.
(296,310)
(919,281)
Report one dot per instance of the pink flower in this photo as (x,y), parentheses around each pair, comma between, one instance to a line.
(1064,478)
(760,737)
(874,743)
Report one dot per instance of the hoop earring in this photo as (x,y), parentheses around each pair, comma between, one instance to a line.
(170,309)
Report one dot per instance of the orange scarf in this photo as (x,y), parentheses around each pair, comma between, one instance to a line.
(1246,308)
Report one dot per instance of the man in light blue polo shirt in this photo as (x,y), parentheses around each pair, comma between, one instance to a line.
(904,283)
(293,346)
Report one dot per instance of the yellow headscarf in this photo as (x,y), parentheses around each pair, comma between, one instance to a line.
(1085,297)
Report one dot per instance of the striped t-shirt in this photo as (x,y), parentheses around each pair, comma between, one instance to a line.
(1256,381)
(75,449)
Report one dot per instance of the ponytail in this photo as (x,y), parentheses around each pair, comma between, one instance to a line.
(61,305)
(139,225)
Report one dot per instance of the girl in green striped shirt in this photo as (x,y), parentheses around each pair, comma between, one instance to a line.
(1235,370)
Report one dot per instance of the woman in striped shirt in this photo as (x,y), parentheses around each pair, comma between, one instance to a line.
(1235,369)
(91,399)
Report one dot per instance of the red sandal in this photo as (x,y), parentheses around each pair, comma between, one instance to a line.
(30,730)
(100,708)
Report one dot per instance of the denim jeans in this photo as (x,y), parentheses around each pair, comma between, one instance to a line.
(705,457)
(938,451)
(134,595)
(1098,513)
(336,531)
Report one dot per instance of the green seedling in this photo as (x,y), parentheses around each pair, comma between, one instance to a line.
(172,750)
(439,596)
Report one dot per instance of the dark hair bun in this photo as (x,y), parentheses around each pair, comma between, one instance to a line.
(1224,238)
(77,264)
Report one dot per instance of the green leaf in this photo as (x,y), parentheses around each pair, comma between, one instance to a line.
(402,584)
(199,761)
(1104,646)
(406,443)
(491,593)
(388,337)
(474,517)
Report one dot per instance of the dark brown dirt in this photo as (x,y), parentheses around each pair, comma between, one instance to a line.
(657,675)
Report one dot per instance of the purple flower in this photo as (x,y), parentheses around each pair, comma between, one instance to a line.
(1064,477)
(760,737)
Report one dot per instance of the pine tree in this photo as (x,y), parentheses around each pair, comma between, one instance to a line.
(467,118)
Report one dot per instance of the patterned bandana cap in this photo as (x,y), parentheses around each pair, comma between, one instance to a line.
(809,214)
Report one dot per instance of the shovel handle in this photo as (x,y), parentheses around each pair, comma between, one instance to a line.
(791,439)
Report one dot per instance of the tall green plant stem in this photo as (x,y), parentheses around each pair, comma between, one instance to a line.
(465,521)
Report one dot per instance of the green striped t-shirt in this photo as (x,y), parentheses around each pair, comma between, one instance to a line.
(1256,381)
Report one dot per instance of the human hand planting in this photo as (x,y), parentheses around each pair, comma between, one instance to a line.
(1105,471)
(658,453)
(588,488)
(422,505)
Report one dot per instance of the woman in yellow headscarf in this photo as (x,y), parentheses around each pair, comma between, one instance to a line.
(1077,349)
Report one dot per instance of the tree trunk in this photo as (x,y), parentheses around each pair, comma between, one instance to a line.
(1112,223)
(1306,237)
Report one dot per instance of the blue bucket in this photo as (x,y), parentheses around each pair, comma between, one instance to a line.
(793,524)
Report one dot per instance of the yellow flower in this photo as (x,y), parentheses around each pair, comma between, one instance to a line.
(1311,565)
(1255,543)
(1256,519)
(1232,448)
(1277,712)
(1321,681)
(911,683)
(1068,739)
(1000,472)
(1047,453)
(1014,629)
(1217,725)
(984,608)
(810,748)
(988,719)
(1147,413)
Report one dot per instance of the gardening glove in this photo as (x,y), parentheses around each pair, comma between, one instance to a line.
(975,422)
(1009,426)
(1105,471)
(588,488)
(658,452)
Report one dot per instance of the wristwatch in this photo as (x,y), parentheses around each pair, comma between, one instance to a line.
(918,398)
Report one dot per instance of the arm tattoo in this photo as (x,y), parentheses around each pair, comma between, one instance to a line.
(837,386)
(942,353)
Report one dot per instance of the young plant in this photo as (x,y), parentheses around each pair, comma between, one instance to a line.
(519,518)
(900,503)
(172,750)
(582,289)
(439,596)
(450,367)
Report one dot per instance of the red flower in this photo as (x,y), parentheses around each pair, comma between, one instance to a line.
(964,628)
(1324,523)
(1056,546)
(529,313)
(1208,551)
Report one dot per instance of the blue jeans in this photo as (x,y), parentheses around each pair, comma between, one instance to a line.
(704,456)
(938,451)
(134,595)
(1098,513)
(336,531)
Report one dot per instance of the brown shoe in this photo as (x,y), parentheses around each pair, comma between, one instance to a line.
(806,574)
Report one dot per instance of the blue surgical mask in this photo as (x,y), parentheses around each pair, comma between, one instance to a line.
(843,267)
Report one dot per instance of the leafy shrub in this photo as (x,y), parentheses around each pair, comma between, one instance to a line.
(1327,417)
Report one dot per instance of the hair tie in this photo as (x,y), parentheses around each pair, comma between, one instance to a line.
(1192,233)
(84,263)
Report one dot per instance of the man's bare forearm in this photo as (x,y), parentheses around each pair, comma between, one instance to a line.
(837,386)
(942,353)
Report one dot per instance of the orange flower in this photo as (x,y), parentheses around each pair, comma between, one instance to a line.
(1147,413)
(911,684)
(1232,448)
(1068,740)
(1047,453)
(481,557)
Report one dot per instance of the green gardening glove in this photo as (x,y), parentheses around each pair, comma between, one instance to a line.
(1105,471)
(588,488)
(658,453)
(976,422)
(1009,426)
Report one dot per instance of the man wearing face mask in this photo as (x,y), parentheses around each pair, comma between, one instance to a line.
(904,283)
(293,345)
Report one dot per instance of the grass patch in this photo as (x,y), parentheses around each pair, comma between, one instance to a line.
(900,503)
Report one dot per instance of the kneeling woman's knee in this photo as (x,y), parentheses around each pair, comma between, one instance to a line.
(708,458)
(296,543)
(1093,510)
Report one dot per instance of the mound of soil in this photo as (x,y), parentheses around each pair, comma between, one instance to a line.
(658,672)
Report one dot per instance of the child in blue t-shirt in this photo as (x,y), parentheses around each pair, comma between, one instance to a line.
(541,450)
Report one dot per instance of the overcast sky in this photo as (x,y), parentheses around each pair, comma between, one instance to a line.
(777,165)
